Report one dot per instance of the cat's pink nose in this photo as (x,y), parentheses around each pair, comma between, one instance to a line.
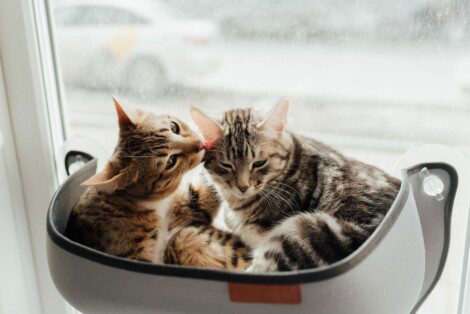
(243,188)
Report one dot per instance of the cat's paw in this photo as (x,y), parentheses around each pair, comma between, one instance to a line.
(256,269)
(261,266)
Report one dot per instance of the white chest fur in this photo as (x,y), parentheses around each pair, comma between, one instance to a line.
(162,208)
(250,234)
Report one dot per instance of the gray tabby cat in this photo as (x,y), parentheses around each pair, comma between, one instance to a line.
(297,202)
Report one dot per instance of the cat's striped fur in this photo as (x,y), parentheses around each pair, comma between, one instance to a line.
(195,240)
(297,202)
(139,208)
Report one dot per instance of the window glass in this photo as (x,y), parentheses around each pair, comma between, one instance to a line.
(66,16)
(372,78)
(97,15)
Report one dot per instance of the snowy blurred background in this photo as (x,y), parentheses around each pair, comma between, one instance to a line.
(370,77)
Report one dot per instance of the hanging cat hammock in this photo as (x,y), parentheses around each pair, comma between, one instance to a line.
(392,272)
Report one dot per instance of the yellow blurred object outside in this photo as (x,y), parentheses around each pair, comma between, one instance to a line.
(121,45)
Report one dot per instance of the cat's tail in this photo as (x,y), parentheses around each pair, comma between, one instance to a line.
(307,240)
(207,247)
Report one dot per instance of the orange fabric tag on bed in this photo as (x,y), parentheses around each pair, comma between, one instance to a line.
(251,293)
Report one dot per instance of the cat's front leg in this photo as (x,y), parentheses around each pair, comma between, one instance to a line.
(268,258)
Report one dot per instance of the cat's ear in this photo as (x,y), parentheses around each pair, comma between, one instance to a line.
(276,121)
(123,118)
(106,180)
(210,129)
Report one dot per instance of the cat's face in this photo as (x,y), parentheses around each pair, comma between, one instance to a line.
(152,155)
(246,151)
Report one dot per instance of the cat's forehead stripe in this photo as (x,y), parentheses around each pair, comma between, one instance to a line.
(238,138)
(144,143)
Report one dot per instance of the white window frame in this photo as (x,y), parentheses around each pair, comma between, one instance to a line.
(32,125)
(14,216)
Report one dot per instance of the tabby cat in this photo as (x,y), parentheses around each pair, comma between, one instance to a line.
(138,207)
(298,203)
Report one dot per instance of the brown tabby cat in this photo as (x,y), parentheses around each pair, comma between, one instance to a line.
(298,203)
(138,207)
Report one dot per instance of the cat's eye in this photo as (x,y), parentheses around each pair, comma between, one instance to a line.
(171,162)
(175,128)
(226,165)
(259,163)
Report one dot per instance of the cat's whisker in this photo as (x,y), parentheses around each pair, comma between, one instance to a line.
(291,196)
(269,199)
(279,199)
(283,198)
(278,192)
(290,187)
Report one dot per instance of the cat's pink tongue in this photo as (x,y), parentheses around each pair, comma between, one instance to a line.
(209,145)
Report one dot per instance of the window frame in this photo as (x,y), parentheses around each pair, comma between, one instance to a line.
(35,129)
(20,236)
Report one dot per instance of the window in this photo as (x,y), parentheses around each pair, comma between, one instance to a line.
(359,74)
(66,16)
(373,78)
(96,16)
